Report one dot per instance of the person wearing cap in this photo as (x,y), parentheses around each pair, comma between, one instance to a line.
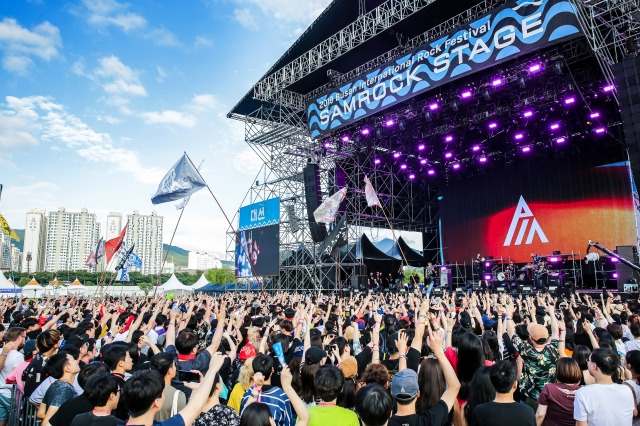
(329,382)
(405,389)
(539,356)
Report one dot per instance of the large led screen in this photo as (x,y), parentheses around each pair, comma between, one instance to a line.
(258,248)
(558,205)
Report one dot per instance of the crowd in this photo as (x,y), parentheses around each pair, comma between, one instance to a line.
(284,359)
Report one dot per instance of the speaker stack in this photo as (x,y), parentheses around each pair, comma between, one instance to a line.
(313,196)
(626,274)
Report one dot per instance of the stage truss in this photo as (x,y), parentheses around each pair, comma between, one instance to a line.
(278,134)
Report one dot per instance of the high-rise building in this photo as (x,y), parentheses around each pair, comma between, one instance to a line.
(70,239)
(145,231)
(16,257)
(5,251)
(203,261)
(35,241)
(114,225)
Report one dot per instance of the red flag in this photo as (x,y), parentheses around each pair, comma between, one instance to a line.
(113,245)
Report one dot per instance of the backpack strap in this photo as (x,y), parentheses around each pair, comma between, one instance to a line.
(176,395)
(636,409)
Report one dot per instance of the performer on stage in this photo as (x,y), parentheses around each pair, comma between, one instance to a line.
(480,270)
(429,275)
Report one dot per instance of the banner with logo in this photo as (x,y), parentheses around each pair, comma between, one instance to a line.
(555,206)
(260,214)
(515,29)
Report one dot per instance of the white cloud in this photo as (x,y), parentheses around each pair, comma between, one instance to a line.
(14,131)
(162,37)
(20,44)
(162,74)
(51,123)
(203,103)
(295,11)
(169,117)
(104,13)
(244,17)
(202,42)
(247,161)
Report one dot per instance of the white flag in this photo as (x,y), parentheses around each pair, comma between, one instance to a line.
(370,194)
(328,210)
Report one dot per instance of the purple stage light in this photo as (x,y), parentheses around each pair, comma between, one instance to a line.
(554,259)
(594,115)
(496,82)
(433,106)
(475,148)
(421,147)
(482,159)
(570,100)
(608,88)
(443,268)
(456,166)
(466,94)
(487,264)
(554,126)
(518,136)
(431,172)
(448,138)
(448,155)
(412,176)
(396,155)
(600,130)
(527,114)
(327,144)
(493,125)
(614,260)
(345,138)
(365,131)
(487,277)
(389,122)
(526,149)
(377,161)
(403,166)
(561,140)
(423,161)
(535,68)
(615,275)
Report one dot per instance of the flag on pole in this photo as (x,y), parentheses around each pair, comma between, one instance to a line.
(100,249)
(327,211)
(95,254)
(124,260)
(113,245)
(4,225)
(122,275)
(91,260)
(370,193)
(180,182)
(134,260)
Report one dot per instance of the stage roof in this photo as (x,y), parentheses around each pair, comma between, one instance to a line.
(339,14)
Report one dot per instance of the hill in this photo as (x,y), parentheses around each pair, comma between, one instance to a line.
(179,256)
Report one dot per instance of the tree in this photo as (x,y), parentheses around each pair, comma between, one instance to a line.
(146,287)
(224,275)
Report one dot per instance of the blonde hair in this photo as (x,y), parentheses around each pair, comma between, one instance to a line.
(245,378)
(253,336)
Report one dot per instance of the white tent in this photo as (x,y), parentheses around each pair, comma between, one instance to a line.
(173,285)
(33,289)
(202,281)
(76,286)
(7,289)
(55,288)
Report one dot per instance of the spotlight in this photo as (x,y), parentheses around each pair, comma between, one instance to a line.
(431,172)
(535,68)
(475,148)
(448,155)
(561,140)
(377,161)
(518,136)
(570,100)
(421,147)
(554,126)
(608,88)
(365,131)
(528,114)
(493,125)
(396,155)
(456,166)
(448,138)
(488,264)
(482,159)
(412,176)
(423,161)
(433,106)
(466,94)
(554,259)
(496,82)
(614,260)
(403,166)
(345,138)
(327,144)
(594,115)
(600,130)
(615,275)
(487,277)
(526,149)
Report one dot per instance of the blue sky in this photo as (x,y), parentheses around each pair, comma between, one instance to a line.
(98,99)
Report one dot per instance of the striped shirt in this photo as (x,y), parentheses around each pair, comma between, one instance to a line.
(278,404)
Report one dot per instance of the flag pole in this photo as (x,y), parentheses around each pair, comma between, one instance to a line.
(235,232)
(168,249)
(394,235)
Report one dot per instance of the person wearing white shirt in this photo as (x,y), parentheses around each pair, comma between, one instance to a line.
(10,358)
(603,403)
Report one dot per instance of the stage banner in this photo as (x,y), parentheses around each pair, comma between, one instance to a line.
(261,250)
(514,29)
(259,214)
(554,206)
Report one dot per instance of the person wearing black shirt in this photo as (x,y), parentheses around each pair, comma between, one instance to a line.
(503,410)
(103,391)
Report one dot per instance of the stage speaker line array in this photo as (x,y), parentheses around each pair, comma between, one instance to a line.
(313,196)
